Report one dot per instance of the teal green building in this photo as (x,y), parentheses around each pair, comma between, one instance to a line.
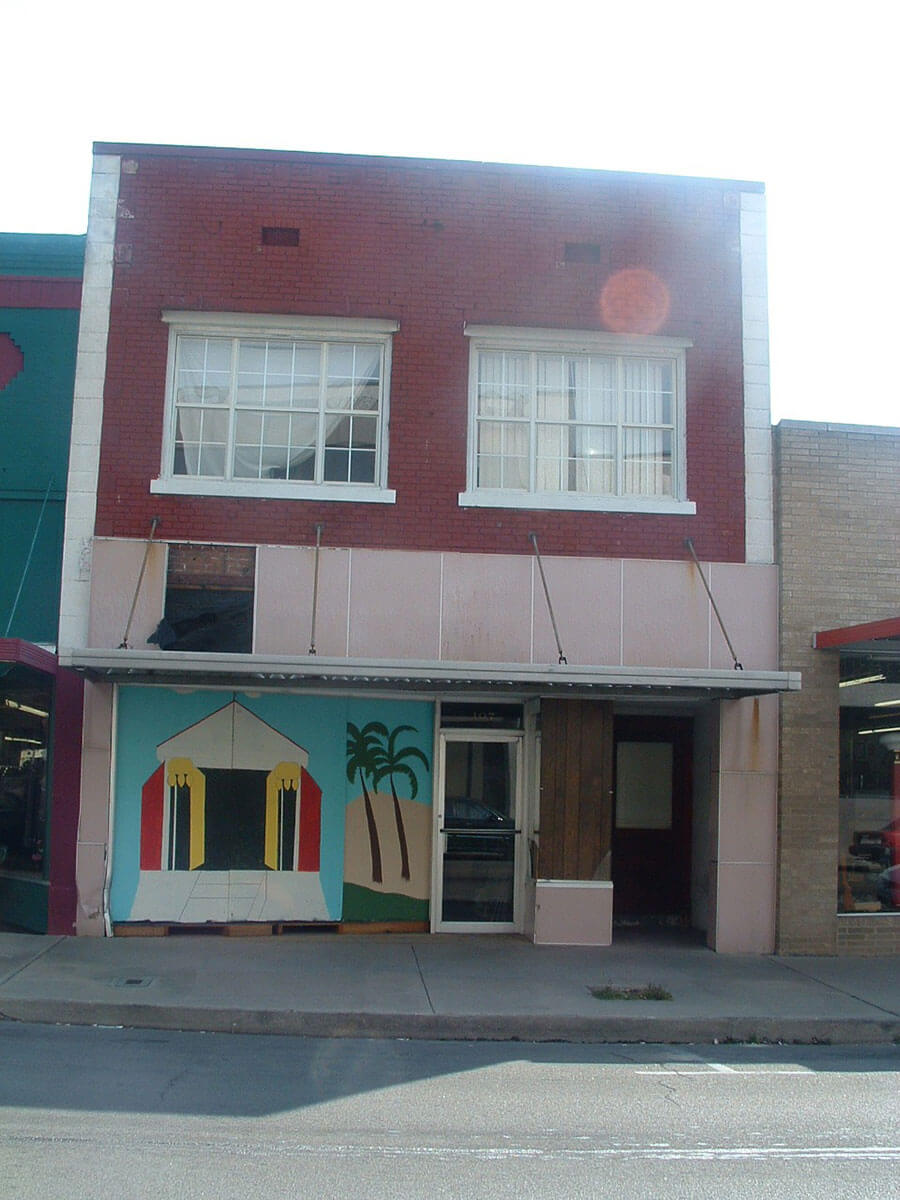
(40,706)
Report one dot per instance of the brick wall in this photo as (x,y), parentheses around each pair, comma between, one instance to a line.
(433,245)
(838,530)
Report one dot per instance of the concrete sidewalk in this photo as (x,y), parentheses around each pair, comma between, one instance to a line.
(421,986)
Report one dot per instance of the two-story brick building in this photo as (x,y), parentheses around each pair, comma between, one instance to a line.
(388,478)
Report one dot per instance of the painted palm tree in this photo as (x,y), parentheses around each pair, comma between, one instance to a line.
(392,760)
(363,747)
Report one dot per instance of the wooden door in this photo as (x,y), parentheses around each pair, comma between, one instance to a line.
(575,825)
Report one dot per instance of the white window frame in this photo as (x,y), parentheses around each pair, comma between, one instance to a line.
(511,338)
(255,326)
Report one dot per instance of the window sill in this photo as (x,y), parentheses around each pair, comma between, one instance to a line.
(659,505)
(261,489)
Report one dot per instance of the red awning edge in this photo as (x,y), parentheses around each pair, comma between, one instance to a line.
(828,639)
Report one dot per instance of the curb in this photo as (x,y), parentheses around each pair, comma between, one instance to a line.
(438,1027)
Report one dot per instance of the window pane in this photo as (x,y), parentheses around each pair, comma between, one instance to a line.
(552,393)
(366,395)
(280,359)
(248,428)
(598,395)
(368,363)
(339,395)
(274,462)
(302,464)
(337,466)
(246,461)
(252,359)
(212,461)
(490,385)
(276,429)
(340,361)
(648,392)
(647,462)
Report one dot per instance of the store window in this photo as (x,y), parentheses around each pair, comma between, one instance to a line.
(25,706)
(869,846)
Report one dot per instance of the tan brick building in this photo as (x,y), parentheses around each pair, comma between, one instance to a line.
(838,530)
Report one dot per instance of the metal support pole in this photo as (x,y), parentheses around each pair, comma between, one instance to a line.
(690,545)
(154,525)
(315,602)
(537,554)
(37,529)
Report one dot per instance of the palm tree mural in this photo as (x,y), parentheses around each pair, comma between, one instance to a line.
(391,760)
(363,746)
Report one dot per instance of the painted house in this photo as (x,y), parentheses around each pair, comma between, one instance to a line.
(40,703)
(419,548)
(838,521)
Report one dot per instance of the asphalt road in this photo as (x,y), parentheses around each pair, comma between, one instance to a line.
(92,1112)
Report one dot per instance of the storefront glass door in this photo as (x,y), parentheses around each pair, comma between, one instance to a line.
(478,867)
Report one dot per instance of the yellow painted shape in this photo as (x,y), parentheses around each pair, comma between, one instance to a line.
(284,777)
(197,854)
(183,773)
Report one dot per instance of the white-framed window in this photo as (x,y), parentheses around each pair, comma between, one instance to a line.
(275,406)
(576,420)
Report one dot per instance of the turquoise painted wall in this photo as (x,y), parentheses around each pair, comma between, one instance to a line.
(35,419)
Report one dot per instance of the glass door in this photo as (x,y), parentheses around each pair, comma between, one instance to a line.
(478,868)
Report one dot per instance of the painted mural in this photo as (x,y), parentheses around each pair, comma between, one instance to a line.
(387,847)
(247,807)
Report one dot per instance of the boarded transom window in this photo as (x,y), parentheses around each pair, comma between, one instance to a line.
(209,600)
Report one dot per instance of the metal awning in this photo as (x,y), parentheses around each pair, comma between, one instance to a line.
(16,650)
(313,672)
(878,639)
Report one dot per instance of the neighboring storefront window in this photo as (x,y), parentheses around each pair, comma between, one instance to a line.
(869,846)
(25,703)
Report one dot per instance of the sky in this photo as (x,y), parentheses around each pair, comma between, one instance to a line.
(799,96)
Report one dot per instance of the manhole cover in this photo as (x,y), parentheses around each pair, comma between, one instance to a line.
(132,981)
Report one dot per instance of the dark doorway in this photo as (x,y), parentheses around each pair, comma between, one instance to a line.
(235,820)
(651,838)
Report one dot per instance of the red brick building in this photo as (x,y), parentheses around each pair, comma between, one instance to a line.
(409,460)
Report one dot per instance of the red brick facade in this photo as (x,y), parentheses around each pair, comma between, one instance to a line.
(432,245)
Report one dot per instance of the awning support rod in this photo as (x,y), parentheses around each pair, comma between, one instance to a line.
(690,545)
(154,525)
(537,555)
(315,599)
(37,529)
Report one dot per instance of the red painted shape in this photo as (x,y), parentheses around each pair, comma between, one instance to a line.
(12,360)
(152,821)
(20,291)
(870,632)
(310,823)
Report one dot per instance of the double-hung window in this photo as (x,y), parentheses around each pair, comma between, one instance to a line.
(277,407)
(561,419)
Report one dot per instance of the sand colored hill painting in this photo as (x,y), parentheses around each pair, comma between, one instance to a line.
(357,858)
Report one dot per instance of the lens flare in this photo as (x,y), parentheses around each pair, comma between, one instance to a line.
(634,300)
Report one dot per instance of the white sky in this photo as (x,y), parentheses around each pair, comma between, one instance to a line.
(799,95)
